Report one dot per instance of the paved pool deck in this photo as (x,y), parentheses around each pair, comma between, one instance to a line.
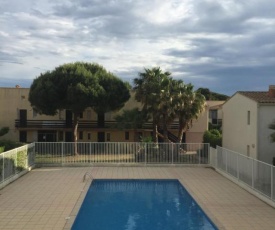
(49,198)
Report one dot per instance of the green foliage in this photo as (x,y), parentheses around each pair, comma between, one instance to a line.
(189,105)
(151,88)
(218,127)
(71,86)
(4,131)
(130,119)
(8,145)
(147,139)
(212,95)
(21,160)
(213,137)
(2,149)
(113,96)
(15,163)
(77,86)
(164,99)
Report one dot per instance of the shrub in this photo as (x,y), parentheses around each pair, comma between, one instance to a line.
(213,137)
(2,149)
(8,145)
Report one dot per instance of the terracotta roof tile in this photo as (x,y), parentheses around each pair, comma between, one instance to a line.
(261,97)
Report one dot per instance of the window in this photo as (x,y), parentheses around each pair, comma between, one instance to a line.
(80,135)
(108,136)
(248,117)
(23,136)
(213,115)
(89,136)
(127,135)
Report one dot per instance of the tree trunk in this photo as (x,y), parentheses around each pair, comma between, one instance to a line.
(165,130)
(155,132)
(181,131)
(75,132)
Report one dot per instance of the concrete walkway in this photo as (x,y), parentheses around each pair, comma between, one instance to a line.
(49,198)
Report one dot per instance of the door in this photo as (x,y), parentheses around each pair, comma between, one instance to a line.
(68,136)
(23,136)
(101,137)
(23,117)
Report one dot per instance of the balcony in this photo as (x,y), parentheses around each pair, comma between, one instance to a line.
(83,124)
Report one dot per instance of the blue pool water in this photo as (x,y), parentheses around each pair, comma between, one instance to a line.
(140,205)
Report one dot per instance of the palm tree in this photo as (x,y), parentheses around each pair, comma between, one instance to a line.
(149,87)
(189,104)
(167,106)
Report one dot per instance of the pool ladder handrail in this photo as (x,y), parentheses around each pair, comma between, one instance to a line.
(88,174)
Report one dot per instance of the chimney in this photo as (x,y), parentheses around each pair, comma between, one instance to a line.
(271,91)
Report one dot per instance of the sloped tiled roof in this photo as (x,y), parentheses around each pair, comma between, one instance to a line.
(261,97)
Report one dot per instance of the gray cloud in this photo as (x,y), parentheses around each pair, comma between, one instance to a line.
(223,45)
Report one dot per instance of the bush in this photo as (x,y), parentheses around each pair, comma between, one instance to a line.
(213,137)
(2,149)
(8,145)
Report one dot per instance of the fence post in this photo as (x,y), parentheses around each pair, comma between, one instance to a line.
(172,153)
(199,152)
(253,173)
(62,153)
(272,184)
(27,158)
(226,161)
(3,169)
(238,173)
(145,149)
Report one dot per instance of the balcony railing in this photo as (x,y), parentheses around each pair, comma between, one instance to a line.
(63,124)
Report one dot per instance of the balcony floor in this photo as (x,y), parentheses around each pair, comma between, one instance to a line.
(49,198)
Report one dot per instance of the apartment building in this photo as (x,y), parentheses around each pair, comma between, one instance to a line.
(27,126)
(246,119)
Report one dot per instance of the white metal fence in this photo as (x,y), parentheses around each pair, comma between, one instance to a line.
(255,174)
(16,161)
(117,152)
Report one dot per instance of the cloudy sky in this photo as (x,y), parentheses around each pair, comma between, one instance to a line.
(223,45)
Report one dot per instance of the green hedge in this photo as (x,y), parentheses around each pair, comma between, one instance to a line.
(8,145)
(213,137)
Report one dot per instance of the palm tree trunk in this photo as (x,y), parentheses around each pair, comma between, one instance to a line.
(165,130)
(75,132)
(181,131)
(155,132)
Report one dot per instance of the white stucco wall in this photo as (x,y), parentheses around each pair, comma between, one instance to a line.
(266,149)
(237,134)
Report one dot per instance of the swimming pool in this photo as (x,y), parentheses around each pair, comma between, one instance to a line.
(140,205)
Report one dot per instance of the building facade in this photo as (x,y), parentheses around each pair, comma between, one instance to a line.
(27,126)
(246,120)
